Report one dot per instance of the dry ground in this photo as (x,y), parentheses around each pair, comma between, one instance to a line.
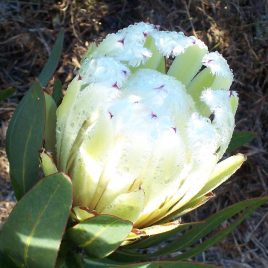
(237,28)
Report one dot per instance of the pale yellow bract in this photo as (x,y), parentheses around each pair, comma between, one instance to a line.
(141,142)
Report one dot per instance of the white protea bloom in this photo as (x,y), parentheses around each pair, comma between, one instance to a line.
(142,142)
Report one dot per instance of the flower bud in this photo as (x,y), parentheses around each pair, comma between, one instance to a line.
(142,142)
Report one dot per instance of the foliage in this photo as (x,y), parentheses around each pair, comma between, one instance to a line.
(32,235)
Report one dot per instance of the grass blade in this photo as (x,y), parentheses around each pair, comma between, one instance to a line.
(52,62)
(240,138)
(5,93)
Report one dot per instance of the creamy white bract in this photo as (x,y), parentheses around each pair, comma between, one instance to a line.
(139,141)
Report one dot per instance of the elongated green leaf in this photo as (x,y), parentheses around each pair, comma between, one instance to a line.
(100,235)
(24,140)
(168,264)
(5,261)
(52,62)
(50,126)
(158,238)
(32,234)
(215,238)
(128,253)
(193,235)
(240,138)
(57,92)
(5,93)
(201,230)
(154,264)
(76,261)
(25,132)
(71,260)
(98,264)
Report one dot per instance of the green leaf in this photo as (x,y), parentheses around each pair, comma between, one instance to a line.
(100,235)
(211,223)
(50,126)
(71,260)
(125,255)
(154,264)
(25,132)
(198,231)
(24,140)
(76,261)
(32,234)
(216,237)
(240,138)
(167,264)
(158,238)
(5,93)
(5,261)
(52,62)
(57,92)
(101,263)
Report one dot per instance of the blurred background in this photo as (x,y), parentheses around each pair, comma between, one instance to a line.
(236,28)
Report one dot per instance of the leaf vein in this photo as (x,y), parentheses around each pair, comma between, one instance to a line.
(92,239)
(29,239)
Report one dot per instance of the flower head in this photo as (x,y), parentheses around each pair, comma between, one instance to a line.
(140,142)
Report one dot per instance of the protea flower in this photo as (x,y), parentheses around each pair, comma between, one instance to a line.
(142,141)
